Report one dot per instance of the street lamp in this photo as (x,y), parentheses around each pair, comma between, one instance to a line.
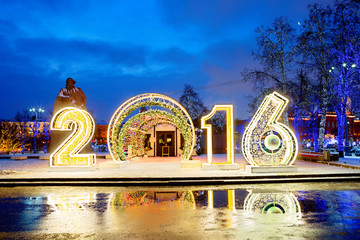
(36,111)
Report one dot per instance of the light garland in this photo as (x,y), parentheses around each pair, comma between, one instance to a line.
(229,132)
(67,154)
(115,137)
(266,142)
(145,121)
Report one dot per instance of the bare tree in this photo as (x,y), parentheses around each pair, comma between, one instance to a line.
(315,40)
(276,51)
(345,56)
(193,104)
(23,135)
(46,134)
(35,128)
(8,137)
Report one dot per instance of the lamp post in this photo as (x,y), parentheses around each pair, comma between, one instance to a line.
(35,126)
(37,112)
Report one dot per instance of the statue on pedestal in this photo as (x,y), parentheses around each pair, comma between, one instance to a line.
(69,96)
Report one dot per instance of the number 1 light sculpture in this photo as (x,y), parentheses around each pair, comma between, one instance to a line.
(229,132)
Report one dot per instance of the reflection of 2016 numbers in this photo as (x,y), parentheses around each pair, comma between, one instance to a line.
(83,125)
(266,141)
(229,132)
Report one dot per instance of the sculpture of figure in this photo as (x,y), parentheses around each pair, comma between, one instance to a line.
(70,96)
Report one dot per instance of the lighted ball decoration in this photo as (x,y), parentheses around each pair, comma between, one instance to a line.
(271,142)
(267,142)
(82,125)
(175,114)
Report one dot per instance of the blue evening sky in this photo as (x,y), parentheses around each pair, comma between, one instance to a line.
(116,49)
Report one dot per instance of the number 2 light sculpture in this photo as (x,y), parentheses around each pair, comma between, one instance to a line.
(83,125)
(266,142)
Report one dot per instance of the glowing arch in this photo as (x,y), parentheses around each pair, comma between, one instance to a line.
(134,130)
(180,117)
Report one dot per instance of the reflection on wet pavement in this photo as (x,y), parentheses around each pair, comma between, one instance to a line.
(311,211)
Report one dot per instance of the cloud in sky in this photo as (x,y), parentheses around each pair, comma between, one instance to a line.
(117,49)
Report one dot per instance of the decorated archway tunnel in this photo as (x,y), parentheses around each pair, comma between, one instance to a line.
(128,126)
(137,127)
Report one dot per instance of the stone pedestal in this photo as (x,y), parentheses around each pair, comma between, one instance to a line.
(207,166)
(45,157)
(190,164)
(19,158)
(271,169)
(73,169)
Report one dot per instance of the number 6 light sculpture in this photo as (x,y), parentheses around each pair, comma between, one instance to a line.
(266,142)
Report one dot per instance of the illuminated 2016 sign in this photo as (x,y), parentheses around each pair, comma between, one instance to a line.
(266,142)
(83,125)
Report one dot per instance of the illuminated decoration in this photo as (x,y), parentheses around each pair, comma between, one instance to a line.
(134,130)
(145,198)
(187,198)
(82,125)
(270,203)
(118,136)
(266,142)
(71,203)
(229,132)
(230,198)
(129,199)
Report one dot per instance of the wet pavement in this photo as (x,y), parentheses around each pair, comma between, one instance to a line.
(161,172)
(150,167)
(256,211)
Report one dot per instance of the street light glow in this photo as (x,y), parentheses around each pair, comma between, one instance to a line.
(353,65)
(344,64)
(37,112)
